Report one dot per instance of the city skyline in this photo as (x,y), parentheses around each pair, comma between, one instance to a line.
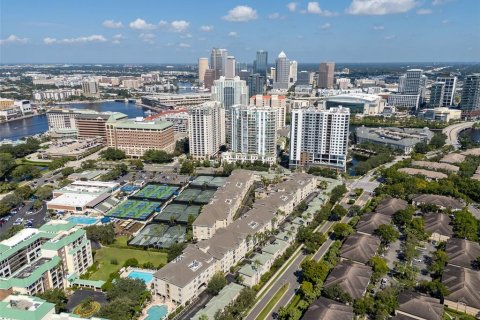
(147,32)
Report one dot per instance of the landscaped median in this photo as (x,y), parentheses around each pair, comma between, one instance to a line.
(273,302)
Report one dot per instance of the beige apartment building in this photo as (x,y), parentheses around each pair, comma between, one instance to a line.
(135,136)
(186,277)
(274,101)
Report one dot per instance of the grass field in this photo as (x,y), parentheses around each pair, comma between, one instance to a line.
(106,254)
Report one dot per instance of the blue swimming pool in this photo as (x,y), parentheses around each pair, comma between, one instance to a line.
(82,220)
(145,276)
(157,312)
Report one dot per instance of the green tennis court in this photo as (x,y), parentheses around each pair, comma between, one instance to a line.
(134,209)
(159,236)
(195,195)
(156,192)
(178,213)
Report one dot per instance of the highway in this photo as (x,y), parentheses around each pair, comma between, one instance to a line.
(453,131)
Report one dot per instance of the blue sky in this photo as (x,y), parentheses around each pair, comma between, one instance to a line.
(141,31)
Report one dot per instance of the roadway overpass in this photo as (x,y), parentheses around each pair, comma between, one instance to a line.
(454,130)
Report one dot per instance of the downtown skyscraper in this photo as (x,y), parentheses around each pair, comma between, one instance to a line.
(218,62)
(470,104)
(260,65)
(282,72)
(325,75)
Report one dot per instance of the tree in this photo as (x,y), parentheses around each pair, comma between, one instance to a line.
(157,156)
(342,230)
(113,154)
(387,233)
(338,212)
(175,250)
(336,292)
(379,266)
(363,306)
(88,164)
(386,301)
(121,309)
(67,171)
(25,172)
(131,262)
(37,204)
(7,162)
(57,297)
(187,167)
(337,193)
(44,192)
(23,192)
(438,140)
(137,164)
(216,284)
(105,234)
(439,261)
(308,292)
(435,288)
(421,147)
(314,272)
(403,217)
(13,230)
(465,225)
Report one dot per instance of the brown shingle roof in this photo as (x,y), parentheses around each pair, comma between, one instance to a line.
(419,306)
(438,223)
(435,165)
(462,252)
(426,173)
(463,285)
(360,247)
(326,309)
(389,206)
(453,158)
(438,200)
(369,222)
(352,277)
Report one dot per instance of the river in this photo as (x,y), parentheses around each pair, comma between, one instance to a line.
(21,128)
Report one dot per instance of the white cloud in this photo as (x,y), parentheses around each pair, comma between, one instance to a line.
(116,38)
(86,39)
(241,14)
(184,45)
(233,34)
(378,28)
(180,25)
(325,26)
(141,24)
(186,36)
(112,24)
(148,37)
(13,39)
(292,6)
(314,8)
(440,2)
(206,28)
(390,37)
(380,7)
(162,23)
(275,16)
(424,11)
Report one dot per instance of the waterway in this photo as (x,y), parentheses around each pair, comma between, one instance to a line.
(21,128)
(473,133)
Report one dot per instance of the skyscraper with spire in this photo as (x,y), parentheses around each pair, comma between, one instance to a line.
(282,71)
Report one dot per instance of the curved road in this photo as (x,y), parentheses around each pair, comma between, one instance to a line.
(453,131)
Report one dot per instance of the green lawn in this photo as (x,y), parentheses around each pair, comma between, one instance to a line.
(106,254)
(276,297)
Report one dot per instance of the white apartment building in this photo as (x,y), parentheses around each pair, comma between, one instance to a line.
(253,132)
(343,83)
(56,95)
(184,278)
(206,126)
(175,101)
(278,102)
(413,82)
(65,118)
(24,106)
(448,90)
(404,100)
(293,72)
(319,137)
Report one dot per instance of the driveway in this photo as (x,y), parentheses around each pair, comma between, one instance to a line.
(37,217)
(78,296)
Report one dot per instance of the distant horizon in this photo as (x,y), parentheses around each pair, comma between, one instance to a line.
(248,63)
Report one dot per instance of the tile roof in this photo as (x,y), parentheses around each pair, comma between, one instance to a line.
(360,247)
(369,222)
(463,285)
(326,309)
(462,252)
(441,201)
(389,206)
(352,277)
(438,223)
(420,306)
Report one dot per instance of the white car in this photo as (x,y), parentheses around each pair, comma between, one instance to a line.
(418,260)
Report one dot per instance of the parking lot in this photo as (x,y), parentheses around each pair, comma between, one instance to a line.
(25,213)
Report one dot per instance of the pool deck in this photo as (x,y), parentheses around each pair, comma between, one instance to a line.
(156,301)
